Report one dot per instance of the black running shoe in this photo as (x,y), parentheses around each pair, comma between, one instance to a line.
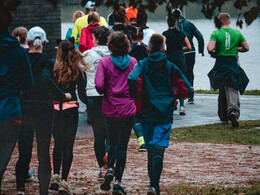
(118,189)
(107,180)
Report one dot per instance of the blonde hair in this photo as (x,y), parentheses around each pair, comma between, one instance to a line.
(20,33)
(224,18)
(77,14)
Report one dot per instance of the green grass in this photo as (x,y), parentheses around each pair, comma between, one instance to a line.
(248,133)
(184,189)
(247,92)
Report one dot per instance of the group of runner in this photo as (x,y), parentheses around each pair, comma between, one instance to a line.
(128,77)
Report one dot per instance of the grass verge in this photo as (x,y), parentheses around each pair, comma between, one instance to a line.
(184,189)
(247,92)
(248,133)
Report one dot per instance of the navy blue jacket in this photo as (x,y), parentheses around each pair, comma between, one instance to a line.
(158,95)
(15,76)
(227,72)
(190,30)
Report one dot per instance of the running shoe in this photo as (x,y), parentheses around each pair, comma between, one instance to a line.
(54,183)
(234,119)
(142,148)
(182,111)
(107,180)
(191,101)
(151,191)
(30,174)
(118,189)
(64,188)
(101,174)
(20,191)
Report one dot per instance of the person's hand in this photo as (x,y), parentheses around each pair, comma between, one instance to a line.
(67,96)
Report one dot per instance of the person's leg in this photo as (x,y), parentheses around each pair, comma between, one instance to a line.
(43,136)
(182,110)
(25,145)
(96,116)
(190,61)
(139,134)
(155,166)
(125,127)
(233,105)
(71,125)
(58,135)
(8,137)
(112,132)
(222,104)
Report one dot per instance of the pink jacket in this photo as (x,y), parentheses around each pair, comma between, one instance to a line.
(112,82)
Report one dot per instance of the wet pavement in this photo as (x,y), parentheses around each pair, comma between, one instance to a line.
(204,111)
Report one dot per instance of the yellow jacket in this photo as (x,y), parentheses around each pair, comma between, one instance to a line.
(81,23)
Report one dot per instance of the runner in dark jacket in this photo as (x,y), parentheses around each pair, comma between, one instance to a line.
(15,78)
(191,31)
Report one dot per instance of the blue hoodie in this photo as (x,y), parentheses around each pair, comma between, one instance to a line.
(15,76)
(122,62)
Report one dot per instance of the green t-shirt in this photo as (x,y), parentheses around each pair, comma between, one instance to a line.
(227,41)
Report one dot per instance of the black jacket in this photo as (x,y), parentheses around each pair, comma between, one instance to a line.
(39,96)
(190,30)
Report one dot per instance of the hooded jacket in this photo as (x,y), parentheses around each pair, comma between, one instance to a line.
(15,76)
(190,30)
(111,80)
(92,57)
(158,95)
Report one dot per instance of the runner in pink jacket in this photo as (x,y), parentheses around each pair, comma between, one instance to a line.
(117,106)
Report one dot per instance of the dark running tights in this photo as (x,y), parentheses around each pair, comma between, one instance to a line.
(64,131)
(119,130)
(155,166)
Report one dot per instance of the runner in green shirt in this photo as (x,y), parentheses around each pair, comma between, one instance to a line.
(227,75)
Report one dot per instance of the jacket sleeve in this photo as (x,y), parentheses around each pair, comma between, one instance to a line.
(48,82)
(82,82)
(26,81)
(83,41)
(100,78)
(199,38)
(75,32)
(132,79)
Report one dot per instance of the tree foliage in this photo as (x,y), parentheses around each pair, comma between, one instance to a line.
(208,6)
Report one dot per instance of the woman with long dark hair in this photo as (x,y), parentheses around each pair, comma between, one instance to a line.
(68,75)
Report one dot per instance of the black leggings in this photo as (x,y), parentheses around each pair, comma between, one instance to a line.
(155,166)
(64,131)
(119,130)
(40,121)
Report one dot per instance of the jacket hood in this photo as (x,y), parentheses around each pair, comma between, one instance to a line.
(157,56)
(181,20)
(102,50)
(7,41)
(122,62)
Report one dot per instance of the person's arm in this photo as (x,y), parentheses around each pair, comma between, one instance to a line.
(132,79)
(75,32)
(211,47)
(199,38)
(244,47)
(83,40)
(26,78)
(81,87)
(100,78)
(187,43)
(49,84)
